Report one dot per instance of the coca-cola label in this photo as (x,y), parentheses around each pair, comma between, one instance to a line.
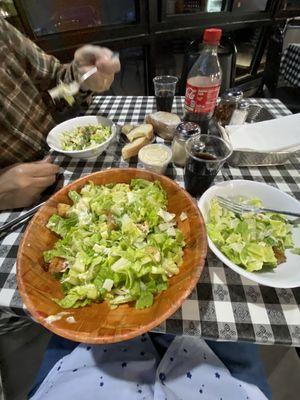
(201,99)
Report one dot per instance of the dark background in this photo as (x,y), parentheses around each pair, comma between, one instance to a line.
(152,35)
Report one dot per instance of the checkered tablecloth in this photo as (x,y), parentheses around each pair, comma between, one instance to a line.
(290,64)
(224,305)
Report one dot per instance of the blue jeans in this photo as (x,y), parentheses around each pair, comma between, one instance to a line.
(242,359)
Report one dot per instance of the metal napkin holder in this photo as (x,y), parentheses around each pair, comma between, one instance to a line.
(248,158)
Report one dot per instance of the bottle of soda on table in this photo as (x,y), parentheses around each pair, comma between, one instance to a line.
(204,81)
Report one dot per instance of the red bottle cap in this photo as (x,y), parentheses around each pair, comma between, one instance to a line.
(212,36)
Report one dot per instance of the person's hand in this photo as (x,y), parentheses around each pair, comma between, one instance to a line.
(107,64)
(22,184)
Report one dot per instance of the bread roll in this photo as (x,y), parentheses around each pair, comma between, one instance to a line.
(132,149)
(164,124)
(145,130)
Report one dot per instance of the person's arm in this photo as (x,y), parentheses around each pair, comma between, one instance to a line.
(46,71)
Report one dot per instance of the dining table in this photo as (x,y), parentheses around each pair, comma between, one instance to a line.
(224,305)
(290,64)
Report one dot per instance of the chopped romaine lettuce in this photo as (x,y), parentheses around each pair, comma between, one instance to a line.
(249,240)
(85,137)
(120,243)
(296,250)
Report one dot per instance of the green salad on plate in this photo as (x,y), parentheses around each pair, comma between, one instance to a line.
(117,243)
(85,137)
(252,241)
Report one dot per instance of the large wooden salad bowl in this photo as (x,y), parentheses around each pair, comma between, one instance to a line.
(98,323)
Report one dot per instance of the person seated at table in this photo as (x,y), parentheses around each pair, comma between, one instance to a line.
(27,113)
(151,367)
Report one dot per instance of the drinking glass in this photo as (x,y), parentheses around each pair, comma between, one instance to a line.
(164,88)
(206,155)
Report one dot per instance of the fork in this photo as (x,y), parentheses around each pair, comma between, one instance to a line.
(72,87)
(239,208)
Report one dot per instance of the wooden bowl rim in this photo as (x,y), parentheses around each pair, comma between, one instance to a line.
(118,337)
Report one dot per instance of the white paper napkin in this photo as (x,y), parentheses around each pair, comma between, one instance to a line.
(281,134)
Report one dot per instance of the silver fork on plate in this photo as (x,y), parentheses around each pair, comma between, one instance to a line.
(239,208)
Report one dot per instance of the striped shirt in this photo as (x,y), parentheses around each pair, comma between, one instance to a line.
(27,112)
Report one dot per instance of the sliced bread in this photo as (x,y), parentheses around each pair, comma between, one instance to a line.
(144,130)
(132,149)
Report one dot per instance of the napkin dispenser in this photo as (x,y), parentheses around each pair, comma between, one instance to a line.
(249,157)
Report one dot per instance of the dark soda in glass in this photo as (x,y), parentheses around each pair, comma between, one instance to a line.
(206,154)
(164,88)
(164,100)
(198,176)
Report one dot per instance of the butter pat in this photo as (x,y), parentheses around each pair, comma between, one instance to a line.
(155,157)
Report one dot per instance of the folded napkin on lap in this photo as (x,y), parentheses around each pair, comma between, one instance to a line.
(281,134)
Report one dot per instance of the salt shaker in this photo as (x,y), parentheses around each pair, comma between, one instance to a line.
(239,115)
(183,132)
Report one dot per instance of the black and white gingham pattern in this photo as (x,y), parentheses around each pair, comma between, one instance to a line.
(224,305)
(290,64)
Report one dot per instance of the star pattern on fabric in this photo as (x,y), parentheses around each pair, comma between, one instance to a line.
(124,364)
(189,375)
(162,377)
(217,375)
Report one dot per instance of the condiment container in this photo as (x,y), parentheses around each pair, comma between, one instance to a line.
(184,131)
(155,157)
(228,104)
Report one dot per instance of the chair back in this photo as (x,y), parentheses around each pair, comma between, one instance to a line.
(227,57)
(273,60)
(291,33)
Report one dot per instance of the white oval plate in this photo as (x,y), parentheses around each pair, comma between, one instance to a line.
(54,136)
(285,275)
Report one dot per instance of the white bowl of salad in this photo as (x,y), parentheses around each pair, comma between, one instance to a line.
(264,248)
(82,137)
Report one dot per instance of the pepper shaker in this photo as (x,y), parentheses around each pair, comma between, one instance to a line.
(228,104)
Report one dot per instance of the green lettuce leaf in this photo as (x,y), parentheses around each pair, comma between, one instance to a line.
(61,226)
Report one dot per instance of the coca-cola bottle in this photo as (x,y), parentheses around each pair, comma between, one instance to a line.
(204,81)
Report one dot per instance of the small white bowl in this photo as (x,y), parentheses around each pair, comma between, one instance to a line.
(285,275)
(55,135)
(156,166)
